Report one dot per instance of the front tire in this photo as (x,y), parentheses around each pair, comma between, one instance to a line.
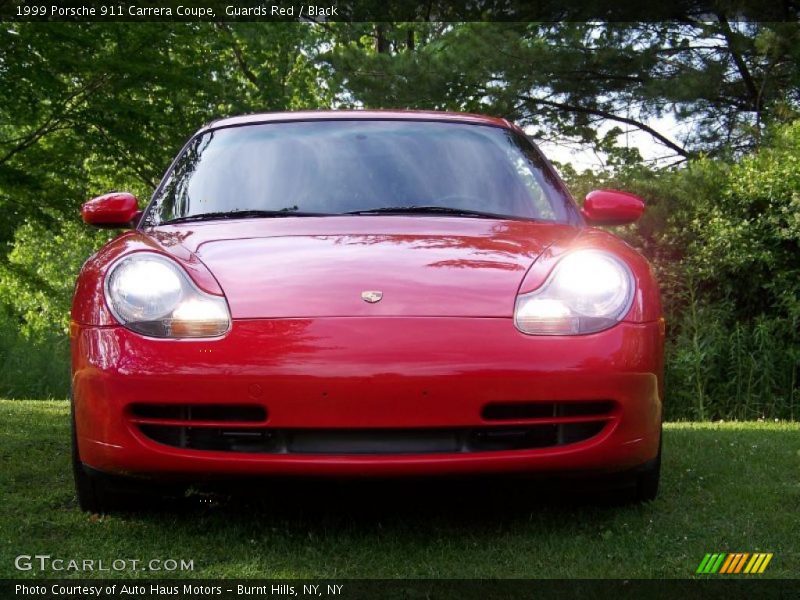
(101,494)
(93,495)
(648,478)
(639,485)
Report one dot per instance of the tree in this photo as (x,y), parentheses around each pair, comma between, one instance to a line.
(86,108)
(726,80)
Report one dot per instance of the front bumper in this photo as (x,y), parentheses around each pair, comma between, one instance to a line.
(359,374)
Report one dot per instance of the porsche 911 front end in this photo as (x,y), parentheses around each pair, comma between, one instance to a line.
(363,294)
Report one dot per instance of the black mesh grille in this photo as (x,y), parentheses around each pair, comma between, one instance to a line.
(372,441)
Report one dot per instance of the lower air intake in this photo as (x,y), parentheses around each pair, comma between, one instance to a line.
(372,441)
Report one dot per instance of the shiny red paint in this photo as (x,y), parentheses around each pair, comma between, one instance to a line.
(366,372)
(612,207)
(116,209)
(436,267)
(437,348)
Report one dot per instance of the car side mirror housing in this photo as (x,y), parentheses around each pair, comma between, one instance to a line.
(611,207)
(117,209)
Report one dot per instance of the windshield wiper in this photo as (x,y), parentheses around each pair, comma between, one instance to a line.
(242,214)
(433,210)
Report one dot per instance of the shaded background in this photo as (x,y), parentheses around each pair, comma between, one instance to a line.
(89,108)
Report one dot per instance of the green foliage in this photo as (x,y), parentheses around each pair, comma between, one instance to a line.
(36,284)
(749,238)
(724,239)
(39,277)
(728,79)
(721,368)
(32,366)
(86,108)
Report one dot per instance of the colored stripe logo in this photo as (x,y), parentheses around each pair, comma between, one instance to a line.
(733,563)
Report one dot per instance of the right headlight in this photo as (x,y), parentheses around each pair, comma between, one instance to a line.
(150,294)
(587,291)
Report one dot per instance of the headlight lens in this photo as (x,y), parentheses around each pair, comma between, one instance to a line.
(150,294)
(587,291)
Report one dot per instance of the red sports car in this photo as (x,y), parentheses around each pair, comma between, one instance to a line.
(363,294)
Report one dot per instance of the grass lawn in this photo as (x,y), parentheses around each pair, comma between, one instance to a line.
(726,487)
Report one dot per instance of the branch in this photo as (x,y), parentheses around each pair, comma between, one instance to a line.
(239,55)
(55,120)
(611,117)
(324,24)
(747,78)
(131,160)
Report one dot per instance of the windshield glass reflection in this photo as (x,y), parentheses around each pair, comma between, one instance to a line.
(336,167)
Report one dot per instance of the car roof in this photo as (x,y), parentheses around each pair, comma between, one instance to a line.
(366,115)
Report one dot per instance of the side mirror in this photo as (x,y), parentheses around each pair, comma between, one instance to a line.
(610,207)
(117,209)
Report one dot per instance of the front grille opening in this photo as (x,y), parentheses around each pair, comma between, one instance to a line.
(201,412)
(212,438)
(519,411)
(372,441)
(585,409)
(376,441)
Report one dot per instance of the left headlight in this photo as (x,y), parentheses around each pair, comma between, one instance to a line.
(587,291)
(150,294)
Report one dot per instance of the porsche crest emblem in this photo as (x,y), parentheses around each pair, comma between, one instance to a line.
(371,296)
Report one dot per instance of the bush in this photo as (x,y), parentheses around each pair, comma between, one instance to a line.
(36,285)
(32,366)
(724,240)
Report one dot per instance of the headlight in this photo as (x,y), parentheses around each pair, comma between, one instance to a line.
(587,291)
(150,294)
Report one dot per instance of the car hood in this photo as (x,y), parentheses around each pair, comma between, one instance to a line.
(321,267)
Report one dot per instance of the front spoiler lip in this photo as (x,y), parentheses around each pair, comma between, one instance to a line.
(367,459)
(600,454)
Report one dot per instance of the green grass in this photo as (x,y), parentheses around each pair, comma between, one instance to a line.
(726,487)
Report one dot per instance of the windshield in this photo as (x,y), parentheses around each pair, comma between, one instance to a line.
(344,167)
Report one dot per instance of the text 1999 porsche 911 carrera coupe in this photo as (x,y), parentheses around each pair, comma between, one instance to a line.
(363,294)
